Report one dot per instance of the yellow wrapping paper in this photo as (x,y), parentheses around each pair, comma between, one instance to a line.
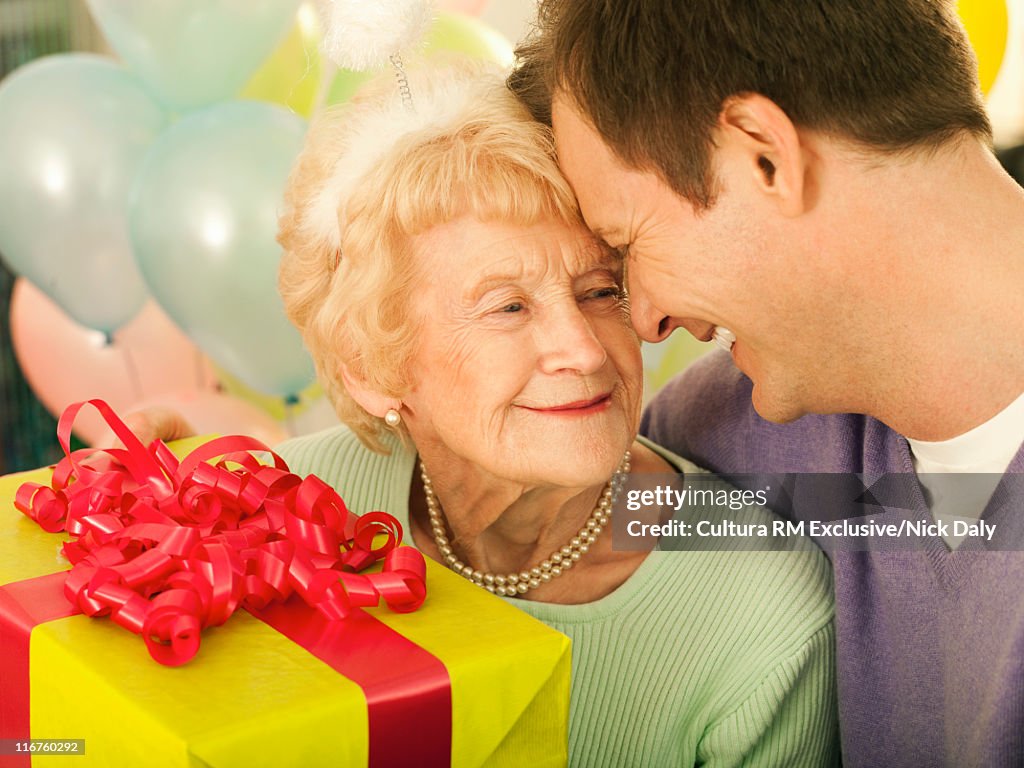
(251,697)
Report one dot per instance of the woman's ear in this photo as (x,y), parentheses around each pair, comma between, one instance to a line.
(371,401)
(760,136)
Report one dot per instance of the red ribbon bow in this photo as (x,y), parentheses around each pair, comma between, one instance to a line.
(166,548)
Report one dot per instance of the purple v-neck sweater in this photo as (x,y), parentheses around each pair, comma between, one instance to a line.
(930,643)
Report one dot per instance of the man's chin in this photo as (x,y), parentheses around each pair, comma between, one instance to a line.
(777,410)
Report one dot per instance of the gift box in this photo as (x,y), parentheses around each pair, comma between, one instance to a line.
(467,680)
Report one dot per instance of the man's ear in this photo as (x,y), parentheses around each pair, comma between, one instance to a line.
(769,146)
(371,401)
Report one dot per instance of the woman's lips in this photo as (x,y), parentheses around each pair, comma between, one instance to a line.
(578,407)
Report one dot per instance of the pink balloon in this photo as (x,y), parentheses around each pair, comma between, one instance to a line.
(468,7)
(216,413)
(65,362)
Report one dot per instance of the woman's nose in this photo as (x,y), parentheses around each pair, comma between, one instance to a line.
(567,341)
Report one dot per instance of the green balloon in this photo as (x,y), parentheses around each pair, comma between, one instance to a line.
(74,130)
(203,223)
(192,53)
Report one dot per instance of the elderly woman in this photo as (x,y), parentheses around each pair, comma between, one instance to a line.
(475,339)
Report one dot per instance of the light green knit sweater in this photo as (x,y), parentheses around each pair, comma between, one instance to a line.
(699,658)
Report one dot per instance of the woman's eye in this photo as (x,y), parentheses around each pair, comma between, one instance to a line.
(515,306)
(610,292)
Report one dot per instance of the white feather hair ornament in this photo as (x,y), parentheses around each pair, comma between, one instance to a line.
(365,34)
(443,98)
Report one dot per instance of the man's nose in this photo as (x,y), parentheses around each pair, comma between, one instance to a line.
(648,321)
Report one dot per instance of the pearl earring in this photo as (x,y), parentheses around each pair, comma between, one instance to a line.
(392,418)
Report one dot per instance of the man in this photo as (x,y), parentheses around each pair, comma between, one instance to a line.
(812,185)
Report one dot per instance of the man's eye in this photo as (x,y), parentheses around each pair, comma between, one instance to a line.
(611,292)
(515,306)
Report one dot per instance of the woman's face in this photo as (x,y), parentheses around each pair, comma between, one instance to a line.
(527,366)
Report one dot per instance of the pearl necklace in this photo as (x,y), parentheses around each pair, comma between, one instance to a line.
(559,561)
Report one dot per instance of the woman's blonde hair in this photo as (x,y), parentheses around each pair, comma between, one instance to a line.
(375,173)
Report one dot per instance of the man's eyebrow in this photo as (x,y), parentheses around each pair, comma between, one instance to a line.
(608,259)
(607,236)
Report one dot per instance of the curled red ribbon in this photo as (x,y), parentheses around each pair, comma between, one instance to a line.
(167,548)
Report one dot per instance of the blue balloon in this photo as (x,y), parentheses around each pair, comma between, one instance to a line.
(194,53)
(204,221)
(74,130)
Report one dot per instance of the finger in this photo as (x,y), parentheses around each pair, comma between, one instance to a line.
(148,424)
(159,423)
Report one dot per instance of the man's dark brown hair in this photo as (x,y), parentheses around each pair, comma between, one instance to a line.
(652,75)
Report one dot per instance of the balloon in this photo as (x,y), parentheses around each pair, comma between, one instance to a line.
(345,84)
(318,415)
(987,25)
(216,413)
(64,362)
(663,361)
(451,33)
(291,76)
(280,408)
(458,33)
(74,130)
(192,53)
(203,223)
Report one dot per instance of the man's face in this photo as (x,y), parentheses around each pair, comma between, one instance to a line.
(697,269)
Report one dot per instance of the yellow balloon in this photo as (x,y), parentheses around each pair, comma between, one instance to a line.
(987,24)
(291,75)
(467,35)
(451,33)
(277,407)
(345,84)
(663,361)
